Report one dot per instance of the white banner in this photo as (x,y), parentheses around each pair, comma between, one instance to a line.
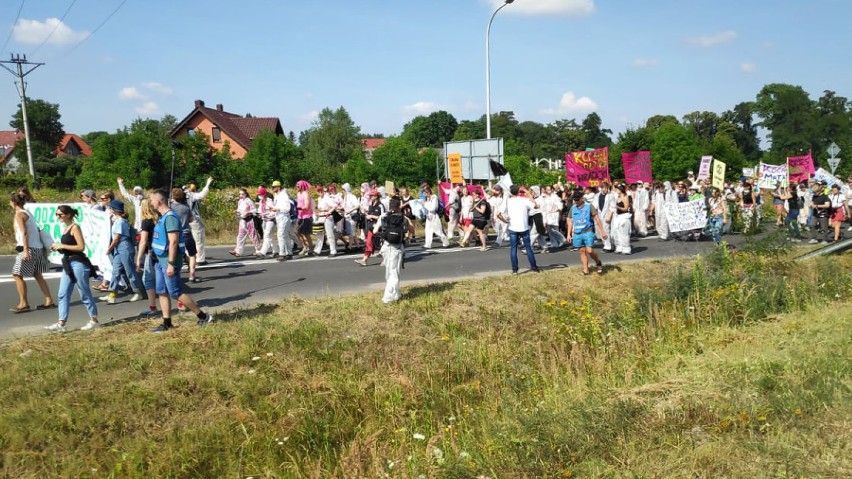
(94,224)
(769,175)
(748,172)
(690,215)
(829,179)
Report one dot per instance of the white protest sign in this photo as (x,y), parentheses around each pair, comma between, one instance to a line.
(769,175)
(690,215)
(748,172)
(829,179)
(704,168)
(94,224)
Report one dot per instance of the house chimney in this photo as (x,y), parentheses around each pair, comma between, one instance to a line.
(219,107)
(199,103)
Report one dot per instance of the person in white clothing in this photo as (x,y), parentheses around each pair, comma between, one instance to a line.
(325,209)
(135,199)
(393,253)
(281,209)
(604,203)
(553,212)
(498,205)
(266,202)
(454,212)
(197,227)
(641,204)
(659,200)
(517,215)
(537,225)
(622,221)
(433,220)
(351,205)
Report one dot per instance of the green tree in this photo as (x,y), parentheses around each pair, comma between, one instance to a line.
(430,131)
(595,136)
(397,160)
(357,170)
(470,130)
(674,151)
(704,124)
(46,129)
(790,116)
(745,136)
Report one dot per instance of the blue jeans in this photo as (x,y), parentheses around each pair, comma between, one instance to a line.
(123,259)
(513,249)
(66,286)
(715,223)
(148,278)
(792,223)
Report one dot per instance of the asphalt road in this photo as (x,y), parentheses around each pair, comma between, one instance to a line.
(229,283)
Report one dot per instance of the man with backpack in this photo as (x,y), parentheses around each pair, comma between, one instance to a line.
(394,227)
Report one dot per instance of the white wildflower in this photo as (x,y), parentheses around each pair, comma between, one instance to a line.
(256,358)
(419,436)
(252,371)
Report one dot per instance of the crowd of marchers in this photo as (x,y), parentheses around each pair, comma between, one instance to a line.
(168,230)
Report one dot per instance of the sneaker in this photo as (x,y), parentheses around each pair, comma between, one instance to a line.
(195,279)
(813,241)
(484,248)
(823,242)
(110,299)
(181,306)
(135,297)
(89,326)
(55,328)
(161,328)
(148,313)
(202,322)
(360,262)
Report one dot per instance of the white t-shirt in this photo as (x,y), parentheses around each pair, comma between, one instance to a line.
(518,209)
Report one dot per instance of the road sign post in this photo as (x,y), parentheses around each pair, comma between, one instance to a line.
(833,160)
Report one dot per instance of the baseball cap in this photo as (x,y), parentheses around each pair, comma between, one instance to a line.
(276,183)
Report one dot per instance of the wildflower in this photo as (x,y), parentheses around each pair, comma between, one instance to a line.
(269,355)
(251,371)
(797,412)
(391,464)
(256,358)
(464,455)
(418,436)
(437,453)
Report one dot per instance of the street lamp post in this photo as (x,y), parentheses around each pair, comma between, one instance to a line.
(488,70)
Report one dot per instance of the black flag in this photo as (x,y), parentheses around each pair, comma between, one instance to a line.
(497,168)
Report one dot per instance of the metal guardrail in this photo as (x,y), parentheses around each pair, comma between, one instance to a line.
(829,249)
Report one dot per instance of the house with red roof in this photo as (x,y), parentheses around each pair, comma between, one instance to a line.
(8,139)
(370,144)
(72,145)
(222,127)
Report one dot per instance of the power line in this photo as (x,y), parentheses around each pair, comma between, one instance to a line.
(55,27)
(13,26)
(97,28)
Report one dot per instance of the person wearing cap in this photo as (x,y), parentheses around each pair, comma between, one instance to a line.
(122,253)
(135,199)
(517,215)
(197,226)
(374,212)
(822,214)
(281,207)
(89,198)
(245,212)
(265,209)
(582,221)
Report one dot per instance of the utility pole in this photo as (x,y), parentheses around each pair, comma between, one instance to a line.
(20,61)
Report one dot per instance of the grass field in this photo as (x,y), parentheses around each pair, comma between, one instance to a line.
(730,365)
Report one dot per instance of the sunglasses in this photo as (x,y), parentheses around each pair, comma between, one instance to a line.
(103,198)
(59,215)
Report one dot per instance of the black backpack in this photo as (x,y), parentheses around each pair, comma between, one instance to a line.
(395,228)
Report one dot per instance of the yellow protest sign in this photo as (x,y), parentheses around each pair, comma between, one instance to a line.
(718,174)
(454,166)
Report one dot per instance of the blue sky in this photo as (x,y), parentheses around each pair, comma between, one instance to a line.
(387,61)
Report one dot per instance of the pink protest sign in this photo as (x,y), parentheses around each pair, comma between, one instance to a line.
(801,167)
(637,167)
(445,187)
(587,168)
(704,168)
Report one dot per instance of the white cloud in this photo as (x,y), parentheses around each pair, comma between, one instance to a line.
(711,40)
(574,8)
(148,109)
(748,67)
(571,104)
(422,108)
(130,93)
(645,62)
(35,32)
(309,117)
(158,87)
